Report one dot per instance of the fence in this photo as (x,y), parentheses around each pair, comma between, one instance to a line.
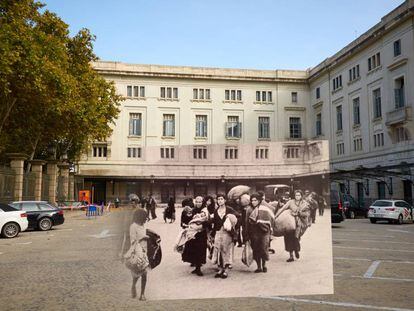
(29,180)
(45,187)
(6,184)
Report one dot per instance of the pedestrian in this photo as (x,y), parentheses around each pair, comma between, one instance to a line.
(224,236)
(310,197)
(117,202)
(321,205)
(136,257)
(210,205)
(259,224)
(195,249)
(152,206)
(169,212)
(273,209)
(299,209)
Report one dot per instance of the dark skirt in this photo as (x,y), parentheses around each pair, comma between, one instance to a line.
(291,242)
(195,250)
(260,243)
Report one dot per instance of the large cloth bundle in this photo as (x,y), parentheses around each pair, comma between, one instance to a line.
(284,223)
(237,191)
(153,248)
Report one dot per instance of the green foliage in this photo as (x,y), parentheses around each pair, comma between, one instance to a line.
(49,92)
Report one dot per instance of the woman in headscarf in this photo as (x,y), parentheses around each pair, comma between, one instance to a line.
(259,224)
(299,209)
(169,212)
(224,222)
(210,205)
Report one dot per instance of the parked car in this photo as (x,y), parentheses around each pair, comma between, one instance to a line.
(337,211)
(40,214)
(353,208)
(393,211)
(12,221)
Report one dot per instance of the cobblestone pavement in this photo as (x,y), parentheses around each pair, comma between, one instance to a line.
(75,267)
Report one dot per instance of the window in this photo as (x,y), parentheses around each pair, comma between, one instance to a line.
(358,144)
(397,48)
(200,152)
(337,82)
(262,153)
(295,128)
(167,152)
(233,127)
(376,94)
(231,152)
(292,152)
(339,118)
(135,91)
(99,151)
(294,97)
(401,134)
(168,125)
(233,95)
(264,96)
(134,152)
(381,190)
(135,124)
(356,111)
(319,124)
(201,94)
(201,126)
(264,131)
(354,73)
(378,140)
(318,92)
(399,93)
(340,148)
(374,61)
(169,93)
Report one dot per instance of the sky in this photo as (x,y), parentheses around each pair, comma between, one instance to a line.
(255,34)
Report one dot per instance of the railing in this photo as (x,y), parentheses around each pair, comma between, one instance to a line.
(45,187)
(398,115)
(29,180)
(399,98)
(6,184)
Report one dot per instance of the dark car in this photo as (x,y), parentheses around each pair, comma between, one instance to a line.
(40,214)
(337,211)
(352,207)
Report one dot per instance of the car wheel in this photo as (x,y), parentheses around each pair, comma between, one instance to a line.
(10,230)
(45,224)
(373,220)
(400,219)
(352,214)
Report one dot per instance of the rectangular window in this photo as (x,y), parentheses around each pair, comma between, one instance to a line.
(239,95)
(262,153)
(295,128)
(99,151)
(258,96)
(233,127)
(294,97)
(264,130)
(168,125)
(337,82)
(401,134)
(231,153)
(195,93)
(142,91)
(399,93)
(162,92)
(167,152)
(169,92)
(318,92)
(358,144)
(135,124)
(397,48)
(318,124)
(129,90)
(200,152)
(201,126)
(264,96)
(340,149)
(292,152)
(339,118)
(201,94)
(233,94)
(374,61)
(379,140)
(227,95)
(381,190)
(208,94)
(175,93)
(134,152)
(356,111)
(136,90)
(269,97)
(354,73)
(376,94)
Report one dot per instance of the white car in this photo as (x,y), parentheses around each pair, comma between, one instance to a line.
(394,211)
(12,221)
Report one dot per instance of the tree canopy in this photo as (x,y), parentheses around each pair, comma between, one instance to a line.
(50,95)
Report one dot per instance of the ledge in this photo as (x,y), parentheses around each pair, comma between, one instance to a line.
(295,108)
(168,99)
(337,90)
(136,98)
(168,137)
(232,101)
(263,103)
(374,70)
(200,138)
(397,64)
(354,81)
(318,104)
(200,100)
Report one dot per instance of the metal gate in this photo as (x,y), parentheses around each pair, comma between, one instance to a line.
(6,184)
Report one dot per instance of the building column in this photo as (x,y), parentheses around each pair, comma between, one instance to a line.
(37,166)
(64,172)
(71,192)
(52,173)
(17,165)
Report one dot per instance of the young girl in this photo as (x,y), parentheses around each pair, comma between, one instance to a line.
(136,257)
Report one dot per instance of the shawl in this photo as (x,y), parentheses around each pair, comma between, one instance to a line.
(262,216)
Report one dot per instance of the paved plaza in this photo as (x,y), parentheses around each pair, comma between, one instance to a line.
(75,267)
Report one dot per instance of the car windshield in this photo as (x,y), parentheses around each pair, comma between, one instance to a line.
(382,203)
(7,208)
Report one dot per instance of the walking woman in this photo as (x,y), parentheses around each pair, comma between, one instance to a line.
(224,236)
(299,209)
(259,224)
(169,212)
(136,258)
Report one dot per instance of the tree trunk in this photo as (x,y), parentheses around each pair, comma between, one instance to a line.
(34,146)
(8,110)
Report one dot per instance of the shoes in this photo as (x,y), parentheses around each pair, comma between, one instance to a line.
(230,267)
(290,259)
(218,274)
(258,270)
(297,254)
(264,269)
(199,273)
(142,298)
(224,275)
(271,251)
(194,271)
